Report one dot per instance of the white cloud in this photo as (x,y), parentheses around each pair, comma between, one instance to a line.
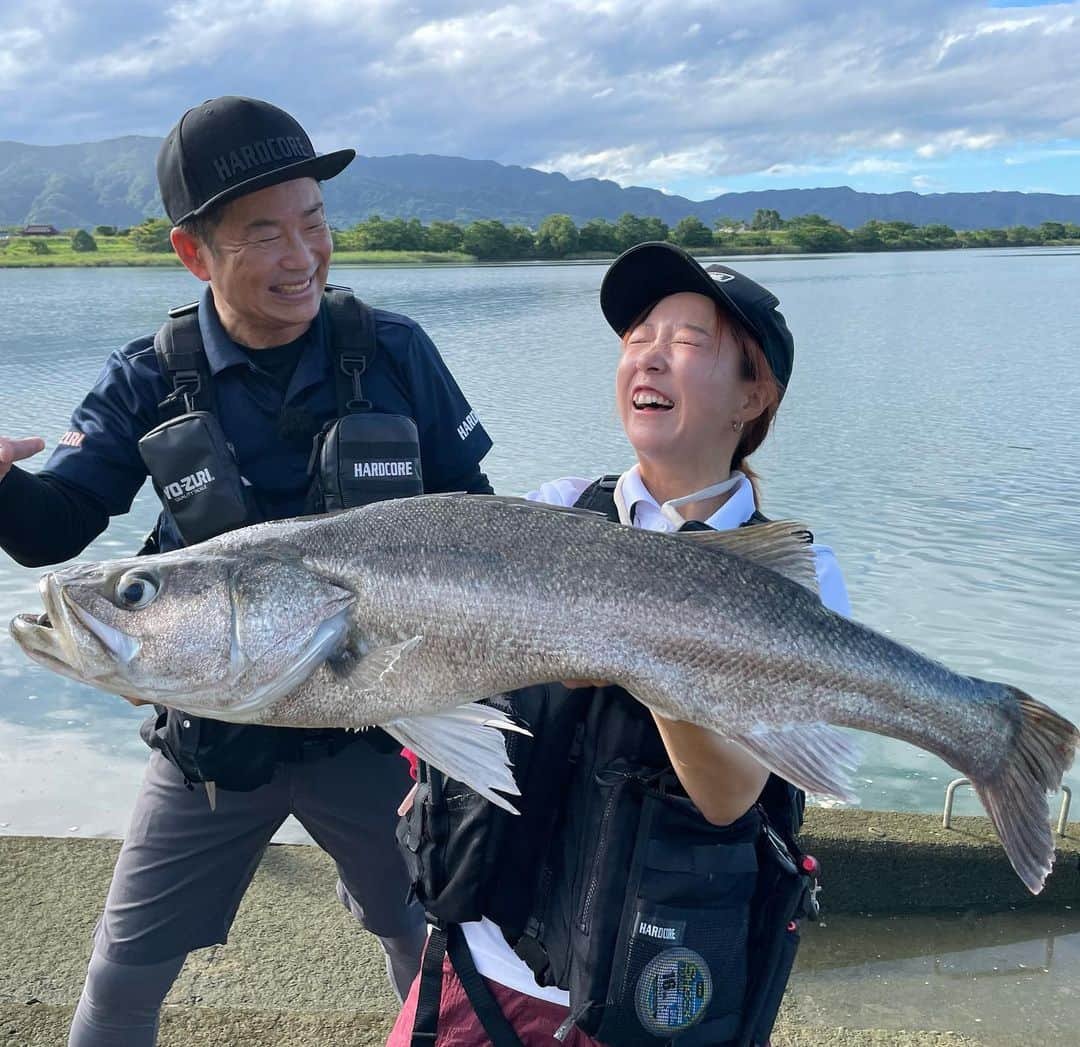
(789,171)
(952,141)
(633,165)
(878,165)
(642,93)
(1032,156)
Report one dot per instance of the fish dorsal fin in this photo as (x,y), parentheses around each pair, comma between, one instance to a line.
(528,505)
(783,546)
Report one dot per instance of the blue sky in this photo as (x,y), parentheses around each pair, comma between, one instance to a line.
(691,96)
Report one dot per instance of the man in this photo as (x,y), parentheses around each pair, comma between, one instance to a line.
(240,181)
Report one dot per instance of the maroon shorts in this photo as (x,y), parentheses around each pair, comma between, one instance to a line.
(535,1021)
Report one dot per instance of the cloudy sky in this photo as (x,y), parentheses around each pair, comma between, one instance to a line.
(695,97)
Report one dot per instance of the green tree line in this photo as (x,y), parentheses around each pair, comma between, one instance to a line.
(558,236)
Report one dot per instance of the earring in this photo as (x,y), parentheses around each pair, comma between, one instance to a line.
(736,425)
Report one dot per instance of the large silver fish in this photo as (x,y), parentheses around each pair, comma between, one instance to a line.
(399,612)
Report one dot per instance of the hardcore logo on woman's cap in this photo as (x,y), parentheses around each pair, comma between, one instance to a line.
(228,147)
(644,274)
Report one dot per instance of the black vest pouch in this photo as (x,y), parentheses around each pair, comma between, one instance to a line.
(210,750)
(195,472)
(444,840)
(450,836)
(362,458)
(783,897)
(661,955)
(467,858)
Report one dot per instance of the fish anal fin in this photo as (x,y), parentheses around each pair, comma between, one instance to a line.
(812,756)
(783,546)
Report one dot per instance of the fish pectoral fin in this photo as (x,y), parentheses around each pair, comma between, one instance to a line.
(466,744)
(812,756)
(784,546)
(369,672)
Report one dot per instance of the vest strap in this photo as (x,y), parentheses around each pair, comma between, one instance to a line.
(180,353)
(429,996)
(182,356)
(499,1030)
(352,337)
(599,497)
(426,1026)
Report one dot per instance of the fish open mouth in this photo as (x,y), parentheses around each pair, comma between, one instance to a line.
(35,634)
(41,621)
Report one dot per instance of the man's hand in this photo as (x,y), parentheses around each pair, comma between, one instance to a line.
(12,451)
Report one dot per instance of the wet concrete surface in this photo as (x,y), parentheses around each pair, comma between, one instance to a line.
(298,970)
(1012,976)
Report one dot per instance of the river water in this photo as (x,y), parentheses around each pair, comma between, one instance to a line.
(931,436)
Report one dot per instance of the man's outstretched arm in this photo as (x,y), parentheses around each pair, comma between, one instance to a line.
(43,520)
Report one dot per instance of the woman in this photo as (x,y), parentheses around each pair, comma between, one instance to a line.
(705,361)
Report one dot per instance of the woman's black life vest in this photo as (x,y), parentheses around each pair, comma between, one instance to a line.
(360,457)
(610,883)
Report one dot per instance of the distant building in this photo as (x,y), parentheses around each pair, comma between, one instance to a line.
(39,230)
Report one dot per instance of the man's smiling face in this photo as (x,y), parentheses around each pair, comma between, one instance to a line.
(267,263)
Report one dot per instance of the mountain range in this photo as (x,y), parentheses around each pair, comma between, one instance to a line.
(113,183)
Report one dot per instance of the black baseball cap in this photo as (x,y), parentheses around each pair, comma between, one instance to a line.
(230,146)
(644,274)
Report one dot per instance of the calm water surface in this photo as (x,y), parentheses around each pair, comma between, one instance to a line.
(930,436)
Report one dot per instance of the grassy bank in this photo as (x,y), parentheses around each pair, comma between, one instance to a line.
(118,251)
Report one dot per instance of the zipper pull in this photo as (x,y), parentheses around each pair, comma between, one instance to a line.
(571,1020)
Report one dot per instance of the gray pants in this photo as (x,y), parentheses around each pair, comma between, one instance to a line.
(183,868)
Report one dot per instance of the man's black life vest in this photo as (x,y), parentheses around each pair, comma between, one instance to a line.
(189,443)
(610,883)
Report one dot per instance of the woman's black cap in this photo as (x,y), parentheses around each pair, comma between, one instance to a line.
(641,276)
(228,147)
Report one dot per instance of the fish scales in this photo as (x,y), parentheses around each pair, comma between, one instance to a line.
(399,612)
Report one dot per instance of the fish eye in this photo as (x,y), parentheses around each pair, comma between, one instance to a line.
(136,589)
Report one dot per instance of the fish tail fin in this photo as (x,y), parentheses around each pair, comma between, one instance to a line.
(1042,750)
(466,744)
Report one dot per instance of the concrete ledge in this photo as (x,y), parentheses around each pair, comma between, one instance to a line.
(889,862)
(41,1025)
(297,970)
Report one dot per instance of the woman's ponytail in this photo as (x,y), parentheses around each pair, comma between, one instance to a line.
(755,368)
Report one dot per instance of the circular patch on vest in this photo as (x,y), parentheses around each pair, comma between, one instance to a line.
(673,991)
